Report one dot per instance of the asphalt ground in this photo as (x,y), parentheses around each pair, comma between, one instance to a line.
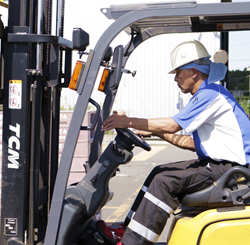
(128,181)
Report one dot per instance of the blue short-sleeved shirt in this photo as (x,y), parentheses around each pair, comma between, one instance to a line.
(219,126)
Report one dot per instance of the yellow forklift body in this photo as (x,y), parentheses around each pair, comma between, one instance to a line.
(212,227)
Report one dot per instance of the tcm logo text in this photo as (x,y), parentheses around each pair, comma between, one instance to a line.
(14,147)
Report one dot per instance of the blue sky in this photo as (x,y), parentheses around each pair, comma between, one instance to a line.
(239,48)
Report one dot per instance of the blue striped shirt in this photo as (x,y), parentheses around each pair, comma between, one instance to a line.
(218,124)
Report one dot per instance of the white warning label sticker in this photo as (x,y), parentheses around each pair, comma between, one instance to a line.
(15,94)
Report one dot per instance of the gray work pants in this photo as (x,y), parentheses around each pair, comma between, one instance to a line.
(161,194)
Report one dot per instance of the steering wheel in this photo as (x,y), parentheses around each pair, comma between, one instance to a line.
(134,138)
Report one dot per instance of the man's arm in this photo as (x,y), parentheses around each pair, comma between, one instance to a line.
(165,128)
(181,141)
(156,126)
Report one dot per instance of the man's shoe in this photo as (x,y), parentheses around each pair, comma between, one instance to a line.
(113,235)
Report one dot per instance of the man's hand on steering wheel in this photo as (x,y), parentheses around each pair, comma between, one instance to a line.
(117,120)
(143,134)
(132,138)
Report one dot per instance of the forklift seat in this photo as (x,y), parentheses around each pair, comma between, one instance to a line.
(231,189)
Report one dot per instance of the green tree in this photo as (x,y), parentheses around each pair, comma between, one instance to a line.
(238,79)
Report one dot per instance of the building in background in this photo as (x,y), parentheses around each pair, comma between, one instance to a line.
(152,92)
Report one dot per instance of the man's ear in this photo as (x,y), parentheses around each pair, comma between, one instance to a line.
(194,72)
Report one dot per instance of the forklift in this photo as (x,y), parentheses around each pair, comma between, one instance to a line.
(37,206)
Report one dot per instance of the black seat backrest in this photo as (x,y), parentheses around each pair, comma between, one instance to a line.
(228,190)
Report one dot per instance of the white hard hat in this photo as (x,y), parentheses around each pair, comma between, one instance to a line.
(187,52)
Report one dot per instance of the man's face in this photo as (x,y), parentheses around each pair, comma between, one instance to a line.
(185,81)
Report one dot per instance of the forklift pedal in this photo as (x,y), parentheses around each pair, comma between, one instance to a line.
(98,238)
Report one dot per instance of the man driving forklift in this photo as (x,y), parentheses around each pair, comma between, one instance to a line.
(217,129)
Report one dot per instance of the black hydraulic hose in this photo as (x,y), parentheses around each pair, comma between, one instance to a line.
(31,11)
(55,137)
(31,180)
(35,157)
(62,19)
(47,30)
(56,115)
(130,43)
(61,34)
(47,19)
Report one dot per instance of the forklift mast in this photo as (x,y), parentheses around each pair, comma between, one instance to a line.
(32,61)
